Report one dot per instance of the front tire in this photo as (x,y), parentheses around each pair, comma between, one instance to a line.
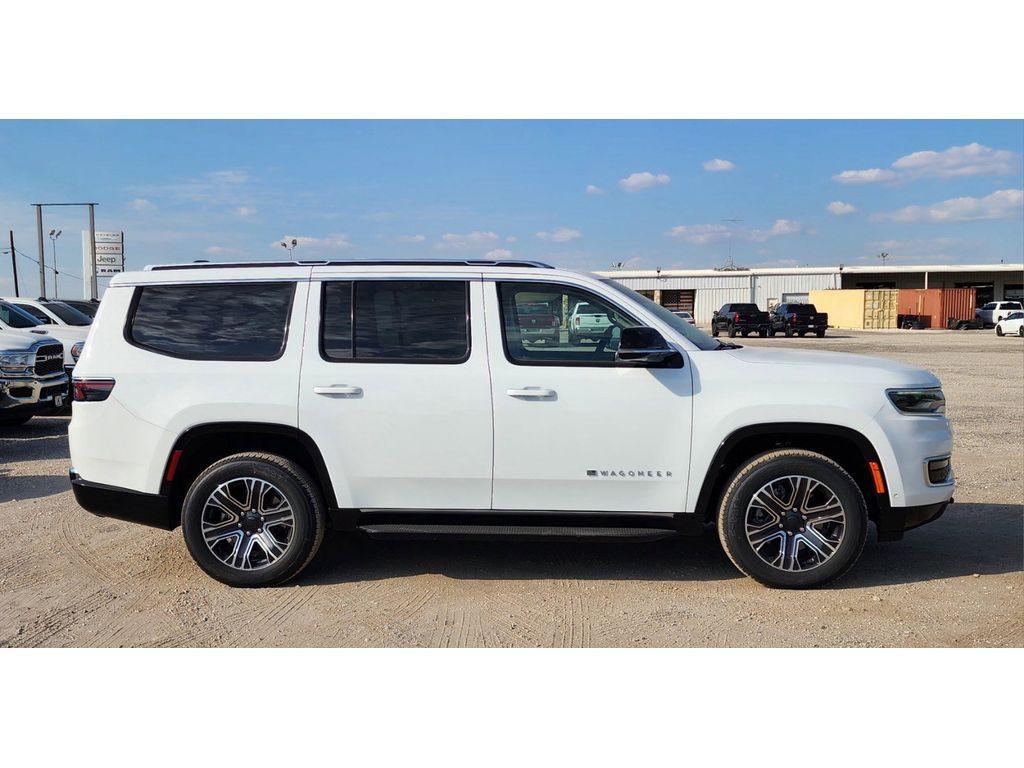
(999,330)
(732,332)
(820,333)
(253,519)
(793,519)
(714,329)
(1020,331)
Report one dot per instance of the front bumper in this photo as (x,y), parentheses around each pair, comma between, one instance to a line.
(892,522)
(110,501)
(31,396)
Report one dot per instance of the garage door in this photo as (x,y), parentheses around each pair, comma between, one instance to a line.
(678,301)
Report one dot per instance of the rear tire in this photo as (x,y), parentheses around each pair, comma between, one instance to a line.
(258,489)
(732,332)
(823,526)
(714,329)
(820,334)
(1020,331)
(762,333)
(771,332)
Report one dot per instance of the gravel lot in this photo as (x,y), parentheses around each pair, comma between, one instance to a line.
(70,579)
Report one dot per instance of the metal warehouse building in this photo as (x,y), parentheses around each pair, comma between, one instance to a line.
(702,291)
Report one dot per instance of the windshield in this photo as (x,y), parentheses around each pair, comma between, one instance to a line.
(692,334)
(69,315)
(16,318)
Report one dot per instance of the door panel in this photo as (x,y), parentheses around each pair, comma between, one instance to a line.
(397,433)
(574,431)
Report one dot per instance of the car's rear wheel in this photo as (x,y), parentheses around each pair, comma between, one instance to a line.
(732,332)
(792,518)
(714,329)
(253,519)
(1020,331)
(820,333)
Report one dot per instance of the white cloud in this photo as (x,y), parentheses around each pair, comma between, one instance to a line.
(867,176)
(476,239)
(141,204)
(718,164)
(701,234)
(511,239)
(499,253)
(1003,204)
(245,211)
(643,180)
(839,208)
(969,160)
(593,189)
(410,238)
(560,235)
(329,242)
(219,250)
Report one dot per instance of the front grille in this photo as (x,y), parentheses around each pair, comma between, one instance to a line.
(49,359)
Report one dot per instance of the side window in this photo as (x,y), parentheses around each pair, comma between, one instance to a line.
(990,305)
(412,321)
(548,324)
(213,321)
(38,314)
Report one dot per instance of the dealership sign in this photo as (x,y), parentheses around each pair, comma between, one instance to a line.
(109,252)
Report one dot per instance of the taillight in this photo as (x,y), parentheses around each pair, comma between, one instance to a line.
(792,319)
(91,390)
(736,317)
(577,322)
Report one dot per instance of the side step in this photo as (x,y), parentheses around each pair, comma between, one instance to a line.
(522,532)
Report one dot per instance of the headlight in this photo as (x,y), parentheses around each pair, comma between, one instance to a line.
(16,362)
(76,349)
(918,402)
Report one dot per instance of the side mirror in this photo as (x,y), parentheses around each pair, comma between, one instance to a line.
(646,348)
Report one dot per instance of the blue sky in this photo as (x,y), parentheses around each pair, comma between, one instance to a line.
(580,194)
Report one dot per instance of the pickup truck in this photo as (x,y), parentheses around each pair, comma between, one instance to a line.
(587,321)
(739,318)
(539,323)
(800,319)
(32,379)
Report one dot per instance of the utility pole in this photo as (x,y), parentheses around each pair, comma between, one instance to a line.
(14,263)
(54,234)
(731,264)
(92,238)
(42,250)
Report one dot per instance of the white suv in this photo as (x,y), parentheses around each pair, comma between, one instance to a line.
(256,405)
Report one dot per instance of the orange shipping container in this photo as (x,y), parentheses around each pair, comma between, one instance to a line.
(937,305)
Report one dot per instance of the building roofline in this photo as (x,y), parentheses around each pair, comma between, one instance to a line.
(902,268)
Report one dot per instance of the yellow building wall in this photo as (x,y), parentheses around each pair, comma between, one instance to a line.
(845,306)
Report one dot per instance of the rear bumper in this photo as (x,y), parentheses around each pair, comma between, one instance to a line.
(124,504)
(894,521)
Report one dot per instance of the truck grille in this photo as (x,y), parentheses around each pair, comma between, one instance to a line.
(49,359)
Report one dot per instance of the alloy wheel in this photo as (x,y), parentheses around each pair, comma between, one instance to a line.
(247,523)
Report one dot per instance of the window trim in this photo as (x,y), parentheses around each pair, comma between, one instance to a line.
(558,363)
(352,322)
(137,297)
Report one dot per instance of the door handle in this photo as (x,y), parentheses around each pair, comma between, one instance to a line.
(338,389)
(535,393)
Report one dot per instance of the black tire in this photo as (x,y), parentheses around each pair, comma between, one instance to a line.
(732,332)
(771,332)
(1020,331)
(801,334)
(714,329)
(762,333)
(297,487)
(751,477)
(745,333)
(13,421)
(999,330)
(789,333)
(820,333)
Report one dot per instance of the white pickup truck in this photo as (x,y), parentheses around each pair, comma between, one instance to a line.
(256,405)
(32,379)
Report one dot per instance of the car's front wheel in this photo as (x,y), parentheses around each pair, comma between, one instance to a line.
(792,518)
(999,330)
(253,519)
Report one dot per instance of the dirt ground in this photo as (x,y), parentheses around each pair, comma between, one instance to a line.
(70,579)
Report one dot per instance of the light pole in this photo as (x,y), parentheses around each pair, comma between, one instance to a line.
(290,247)
(883,256)
(728,223)
(54,234)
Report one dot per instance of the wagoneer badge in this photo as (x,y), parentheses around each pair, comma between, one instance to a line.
(628,473)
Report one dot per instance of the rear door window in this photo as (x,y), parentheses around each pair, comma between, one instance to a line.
(395,321)
(213,321)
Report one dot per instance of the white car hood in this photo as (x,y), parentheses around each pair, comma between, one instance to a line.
(826,366)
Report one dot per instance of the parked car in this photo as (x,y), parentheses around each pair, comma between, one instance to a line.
(539,323)
(739,318)
(71,337)
(399,400)
(800,319)
(994,311)
(51,311)
(685,316)
(587,321)
(86,307)
(32,379)
(1013,323)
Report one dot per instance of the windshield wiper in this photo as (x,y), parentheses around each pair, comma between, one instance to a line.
(728,345)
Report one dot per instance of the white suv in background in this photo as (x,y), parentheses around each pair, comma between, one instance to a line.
(257,405)
(994,311)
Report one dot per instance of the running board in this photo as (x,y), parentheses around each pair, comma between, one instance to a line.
(527,532)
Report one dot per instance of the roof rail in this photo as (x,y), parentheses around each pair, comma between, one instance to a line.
(358,262)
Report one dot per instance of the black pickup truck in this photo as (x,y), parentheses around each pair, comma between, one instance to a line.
(800,319)
(739,318)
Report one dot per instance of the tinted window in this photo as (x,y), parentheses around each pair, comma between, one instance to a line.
(1011,305)
(38,314)
(990,305)
(69,315)
(396,320)
(16,318)
(236,321)
(801,309)
(744,307)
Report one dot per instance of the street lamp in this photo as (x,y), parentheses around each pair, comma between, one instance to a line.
(54,234)
(290,247)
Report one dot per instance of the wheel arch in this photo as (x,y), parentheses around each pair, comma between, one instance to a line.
(201,445)
(849,448)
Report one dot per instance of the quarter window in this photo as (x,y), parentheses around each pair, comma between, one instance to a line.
(549,324)
(215,321)
(395,321)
